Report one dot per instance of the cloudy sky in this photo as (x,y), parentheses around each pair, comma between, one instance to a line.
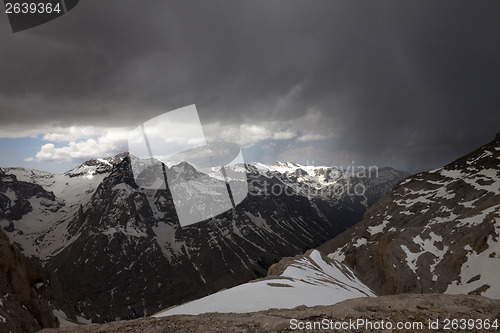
(411,84)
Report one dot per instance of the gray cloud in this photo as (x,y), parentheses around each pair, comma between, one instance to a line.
(412,84)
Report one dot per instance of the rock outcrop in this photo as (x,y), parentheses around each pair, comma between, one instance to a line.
(24,305)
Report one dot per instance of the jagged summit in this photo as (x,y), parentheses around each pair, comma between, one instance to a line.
(96,166)
(286,164)
(184,171)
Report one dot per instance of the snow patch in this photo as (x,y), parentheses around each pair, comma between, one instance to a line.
(480,269)
(426,245)
(479,218)
(307,281)
(359,242)
(373,230)
(337,255)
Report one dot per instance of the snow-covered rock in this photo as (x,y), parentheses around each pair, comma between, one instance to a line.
(309,280)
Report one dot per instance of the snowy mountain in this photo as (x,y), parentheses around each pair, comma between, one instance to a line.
(37,206)
(437,231)
(332,183)
(309,279)
(119,251)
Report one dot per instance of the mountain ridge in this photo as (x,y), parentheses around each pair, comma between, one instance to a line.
(437,231)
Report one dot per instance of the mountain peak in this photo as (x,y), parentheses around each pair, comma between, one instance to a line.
(286,164)
(107,161)
(96,166)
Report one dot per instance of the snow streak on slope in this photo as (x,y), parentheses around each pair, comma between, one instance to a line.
(309,280)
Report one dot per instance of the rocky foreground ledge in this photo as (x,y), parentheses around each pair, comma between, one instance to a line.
(439,309)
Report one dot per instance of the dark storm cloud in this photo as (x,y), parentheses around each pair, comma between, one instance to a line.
(417,80)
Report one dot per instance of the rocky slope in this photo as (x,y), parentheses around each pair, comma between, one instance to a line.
(24,299)
(410,309)
(118,249)
(437,231)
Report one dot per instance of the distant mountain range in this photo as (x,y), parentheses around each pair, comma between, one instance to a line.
(118,249)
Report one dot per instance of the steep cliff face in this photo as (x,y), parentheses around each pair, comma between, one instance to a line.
(437,231)
(23,286)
